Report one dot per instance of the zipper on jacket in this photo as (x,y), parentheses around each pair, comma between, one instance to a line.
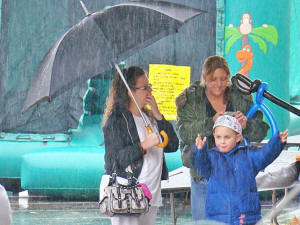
(128,128)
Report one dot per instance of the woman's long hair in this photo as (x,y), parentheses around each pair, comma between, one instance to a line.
(210,65)
(118,94)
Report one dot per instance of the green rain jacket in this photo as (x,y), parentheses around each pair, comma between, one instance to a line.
(192,119)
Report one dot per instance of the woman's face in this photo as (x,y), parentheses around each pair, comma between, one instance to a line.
(141,90)
(216,83)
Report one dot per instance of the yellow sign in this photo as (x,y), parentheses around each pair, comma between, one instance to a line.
(168,81)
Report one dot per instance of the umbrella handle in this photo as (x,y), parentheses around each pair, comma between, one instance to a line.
(166,139)
(163,134)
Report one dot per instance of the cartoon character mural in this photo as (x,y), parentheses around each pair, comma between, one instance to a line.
(244,31)
(245,57)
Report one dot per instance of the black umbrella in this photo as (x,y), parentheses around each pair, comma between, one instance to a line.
(101,40)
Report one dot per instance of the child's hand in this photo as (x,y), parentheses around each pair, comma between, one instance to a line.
(283,135)
(199,142)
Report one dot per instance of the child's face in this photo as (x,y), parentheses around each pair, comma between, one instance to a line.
(226,138)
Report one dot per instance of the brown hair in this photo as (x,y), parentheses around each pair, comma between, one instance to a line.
(118,93)
(210,65)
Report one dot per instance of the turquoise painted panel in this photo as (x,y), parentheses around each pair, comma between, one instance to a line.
(173,160)
(11,155)
(220,26)
(271,66)
(295,52)
(294,127)
(63,168)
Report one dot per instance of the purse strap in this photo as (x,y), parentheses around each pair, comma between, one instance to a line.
(132,181)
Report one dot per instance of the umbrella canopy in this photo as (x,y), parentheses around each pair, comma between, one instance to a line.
(101,39)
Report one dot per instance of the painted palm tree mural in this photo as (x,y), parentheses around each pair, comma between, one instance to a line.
(245,31)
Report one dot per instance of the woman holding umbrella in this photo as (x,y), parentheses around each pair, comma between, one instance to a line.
(128,145)
(198,107)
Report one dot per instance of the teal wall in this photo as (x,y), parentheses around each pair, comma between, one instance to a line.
(295,52)
(272,67)
(294,63)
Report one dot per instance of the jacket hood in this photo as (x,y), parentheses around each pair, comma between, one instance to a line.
(195,91)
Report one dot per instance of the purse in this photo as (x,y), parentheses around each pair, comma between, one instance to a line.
(120,199)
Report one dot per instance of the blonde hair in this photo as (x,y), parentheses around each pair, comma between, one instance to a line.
(211,64)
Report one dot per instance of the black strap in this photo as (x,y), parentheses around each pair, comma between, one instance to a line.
(132,181)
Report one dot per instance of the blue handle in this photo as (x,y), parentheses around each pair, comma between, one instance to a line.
(260,105)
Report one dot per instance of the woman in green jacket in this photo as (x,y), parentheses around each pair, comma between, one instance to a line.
(198,107)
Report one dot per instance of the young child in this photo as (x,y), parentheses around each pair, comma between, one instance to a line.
(230,168)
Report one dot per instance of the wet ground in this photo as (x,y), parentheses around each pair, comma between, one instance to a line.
(41,210)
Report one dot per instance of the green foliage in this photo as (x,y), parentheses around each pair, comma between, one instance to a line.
(269,33)
(232,34)
(261,43)
(229,31)
(258,34)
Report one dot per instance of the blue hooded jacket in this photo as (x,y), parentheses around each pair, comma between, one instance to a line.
(231,190)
